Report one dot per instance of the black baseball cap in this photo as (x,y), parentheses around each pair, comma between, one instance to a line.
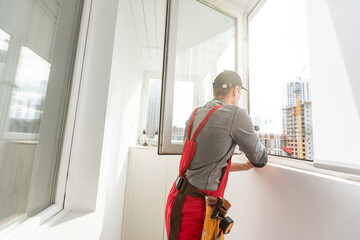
(227,79)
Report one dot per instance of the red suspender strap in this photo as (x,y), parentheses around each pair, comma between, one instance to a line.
(204,121)
(190,123)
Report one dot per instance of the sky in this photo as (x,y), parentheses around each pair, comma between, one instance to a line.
(278,51)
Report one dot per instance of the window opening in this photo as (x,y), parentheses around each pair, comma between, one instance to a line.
(279,77)
(201,45)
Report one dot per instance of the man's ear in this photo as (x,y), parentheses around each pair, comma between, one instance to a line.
(235,90)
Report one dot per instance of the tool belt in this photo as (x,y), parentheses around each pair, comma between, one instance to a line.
(216,224)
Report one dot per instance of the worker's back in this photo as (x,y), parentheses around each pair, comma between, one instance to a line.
(227,127)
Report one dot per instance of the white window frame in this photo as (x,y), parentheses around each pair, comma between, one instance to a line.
(166,147)
(9,73)
(18,231)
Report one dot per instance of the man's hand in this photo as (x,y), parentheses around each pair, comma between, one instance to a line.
(240,166)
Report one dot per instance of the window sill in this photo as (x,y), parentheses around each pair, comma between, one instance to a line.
(289,163)
(69,225)
(304,167)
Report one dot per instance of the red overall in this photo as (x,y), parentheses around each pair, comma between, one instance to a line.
(193,210)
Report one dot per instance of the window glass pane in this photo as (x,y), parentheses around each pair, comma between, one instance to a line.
(205,47)
(280,102)
(183,105)
(37,43)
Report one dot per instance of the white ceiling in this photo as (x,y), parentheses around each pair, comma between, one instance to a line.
(149,20)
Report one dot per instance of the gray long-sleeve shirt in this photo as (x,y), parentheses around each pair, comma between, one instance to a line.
(227,127)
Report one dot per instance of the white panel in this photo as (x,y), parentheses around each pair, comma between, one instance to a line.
(282,203)
(121,125)
(147,174)
(90,120)
(334,36)
(274,203)
(149,180)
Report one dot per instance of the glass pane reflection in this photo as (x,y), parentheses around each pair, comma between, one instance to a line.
(28,95)
(205,47)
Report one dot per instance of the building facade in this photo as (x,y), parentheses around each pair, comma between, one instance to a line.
(291,120)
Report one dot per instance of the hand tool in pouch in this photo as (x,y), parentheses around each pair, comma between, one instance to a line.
(216,224)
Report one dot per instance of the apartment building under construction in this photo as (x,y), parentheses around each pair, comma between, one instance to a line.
(298,126)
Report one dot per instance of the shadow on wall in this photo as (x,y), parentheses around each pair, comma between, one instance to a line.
(348,36)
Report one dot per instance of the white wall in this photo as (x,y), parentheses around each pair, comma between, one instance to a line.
(121,125)
(334,37)
(273,203)
(278,203)
(106,125)
(82,185)
(150,177)
(107,116)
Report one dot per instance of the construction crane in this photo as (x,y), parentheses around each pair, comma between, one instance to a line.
(298,120)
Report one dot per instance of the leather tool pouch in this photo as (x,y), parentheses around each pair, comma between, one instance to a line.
(216,223)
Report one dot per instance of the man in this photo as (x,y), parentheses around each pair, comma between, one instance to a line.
(211,135)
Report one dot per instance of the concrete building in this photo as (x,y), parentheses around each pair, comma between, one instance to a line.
(290,130)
